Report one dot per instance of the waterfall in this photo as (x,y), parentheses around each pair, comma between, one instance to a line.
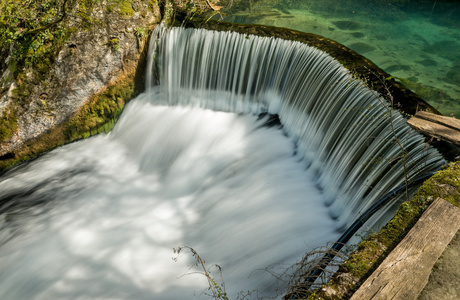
(197,160)
(344,132)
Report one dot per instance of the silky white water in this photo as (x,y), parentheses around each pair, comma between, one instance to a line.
(190,162)
(345,133)
(114,207)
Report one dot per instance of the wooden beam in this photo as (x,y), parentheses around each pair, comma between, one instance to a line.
(440,127)
(405,272)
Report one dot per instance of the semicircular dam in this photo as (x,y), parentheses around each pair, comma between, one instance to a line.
(343,132)
(250,150)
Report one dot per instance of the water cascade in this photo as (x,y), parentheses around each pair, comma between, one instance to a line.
(343,132)
(196,160)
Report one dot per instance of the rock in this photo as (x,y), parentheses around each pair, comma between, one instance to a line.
(90,59)
(362,47)
(347,25)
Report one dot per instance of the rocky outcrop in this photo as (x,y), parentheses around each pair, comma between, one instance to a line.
(91,59)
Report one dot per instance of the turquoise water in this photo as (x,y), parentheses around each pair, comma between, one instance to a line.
(418,43)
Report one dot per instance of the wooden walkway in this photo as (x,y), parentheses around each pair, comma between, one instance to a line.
(405,272)
(440,127)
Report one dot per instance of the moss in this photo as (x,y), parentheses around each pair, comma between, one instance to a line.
(403,99)
(114,44)
(359,263)
(8,123)
(97,116)
(101,111)
(122,7)
(444,184)
(21,94)
(27,78)
(373,250)
(141,32)
(126,9)
(85,14)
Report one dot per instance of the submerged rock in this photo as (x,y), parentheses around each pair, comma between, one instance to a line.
(357,35)
(453,75)
(347,25)
(362,47)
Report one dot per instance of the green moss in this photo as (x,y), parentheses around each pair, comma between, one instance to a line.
(97,116)
(141,32)
(85,14)
(28,78)
(360,262)
(100,113)
(126,8)
(376,78)
(8,123)
(123,7)
(21,94)
(114,44)
(444,184)
(373,250)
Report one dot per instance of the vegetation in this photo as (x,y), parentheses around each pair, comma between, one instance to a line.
(100,113)
(8,123)
(31,34)
(188,9)
(373,250)
(30,31)
(97,116)
(216,285)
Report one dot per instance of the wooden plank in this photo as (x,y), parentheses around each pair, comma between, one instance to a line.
(442,120)
(405,272)
(440,127)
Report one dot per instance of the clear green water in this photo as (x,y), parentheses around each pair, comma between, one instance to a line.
(419,44)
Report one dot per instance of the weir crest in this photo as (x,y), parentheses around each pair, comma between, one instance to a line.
(344,131)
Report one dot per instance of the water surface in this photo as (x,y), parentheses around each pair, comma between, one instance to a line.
(98,219)
(419,44)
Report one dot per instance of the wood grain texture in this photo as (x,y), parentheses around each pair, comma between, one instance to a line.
(443,120)
(440,127)
(405,272)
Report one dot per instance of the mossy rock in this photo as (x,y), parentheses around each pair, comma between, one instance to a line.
(98,115)
(374,249)
(35,77)
(8,123)
(100,110)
